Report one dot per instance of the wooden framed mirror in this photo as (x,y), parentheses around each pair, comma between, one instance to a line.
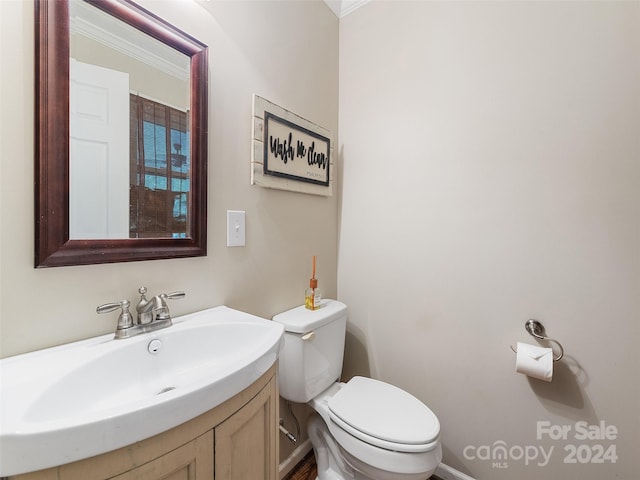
(157,209)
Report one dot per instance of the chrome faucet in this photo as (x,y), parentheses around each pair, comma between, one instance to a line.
(156,309)
(152,314)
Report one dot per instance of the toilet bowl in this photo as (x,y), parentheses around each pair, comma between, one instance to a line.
(363,429)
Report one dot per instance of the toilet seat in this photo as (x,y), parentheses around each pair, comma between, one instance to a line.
(383,415)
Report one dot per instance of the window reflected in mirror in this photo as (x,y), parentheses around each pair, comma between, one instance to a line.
(160,170)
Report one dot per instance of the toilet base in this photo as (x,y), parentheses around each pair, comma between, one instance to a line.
(334,463)
(329,462)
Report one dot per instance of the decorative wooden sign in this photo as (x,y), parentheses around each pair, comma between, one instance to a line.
(292,151)
(289,152)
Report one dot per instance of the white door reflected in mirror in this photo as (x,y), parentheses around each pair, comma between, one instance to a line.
(98,152)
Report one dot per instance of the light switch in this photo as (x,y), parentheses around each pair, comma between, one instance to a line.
(235,228)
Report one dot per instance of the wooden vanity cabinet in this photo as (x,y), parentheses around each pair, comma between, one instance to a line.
(237,440)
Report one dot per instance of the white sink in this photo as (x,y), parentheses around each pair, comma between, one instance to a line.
(85,398)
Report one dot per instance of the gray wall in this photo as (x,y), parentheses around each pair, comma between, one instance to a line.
(491,156)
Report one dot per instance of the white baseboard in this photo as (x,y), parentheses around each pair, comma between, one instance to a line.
(296,456)
(445,472)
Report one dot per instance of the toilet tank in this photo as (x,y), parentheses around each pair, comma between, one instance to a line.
(311,359)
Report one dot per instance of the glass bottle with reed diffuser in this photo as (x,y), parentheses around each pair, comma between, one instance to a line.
(312,296)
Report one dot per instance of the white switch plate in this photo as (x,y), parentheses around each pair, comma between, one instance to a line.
(235,228)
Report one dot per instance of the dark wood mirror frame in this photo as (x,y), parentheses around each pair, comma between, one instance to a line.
(52,244)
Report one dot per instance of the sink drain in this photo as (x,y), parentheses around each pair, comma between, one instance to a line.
(165,390)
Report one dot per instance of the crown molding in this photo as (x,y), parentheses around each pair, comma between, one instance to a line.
(342,8)
(90,22)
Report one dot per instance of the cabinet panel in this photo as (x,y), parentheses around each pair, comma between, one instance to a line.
(193,461)
(245,442)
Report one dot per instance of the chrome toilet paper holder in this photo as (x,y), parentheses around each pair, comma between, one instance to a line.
(536,329)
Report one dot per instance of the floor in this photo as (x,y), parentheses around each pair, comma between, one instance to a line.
(306,470)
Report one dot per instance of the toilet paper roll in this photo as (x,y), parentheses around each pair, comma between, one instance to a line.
(534,361)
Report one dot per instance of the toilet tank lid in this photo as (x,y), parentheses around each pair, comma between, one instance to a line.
(303,320)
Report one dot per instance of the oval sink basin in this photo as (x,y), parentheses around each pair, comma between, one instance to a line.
(85,398)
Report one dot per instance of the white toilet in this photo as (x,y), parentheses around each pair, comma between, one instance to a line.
(365,429)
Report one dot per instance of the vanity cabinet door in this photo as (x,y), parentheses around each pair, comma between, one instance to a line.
(246,443)
(192,461)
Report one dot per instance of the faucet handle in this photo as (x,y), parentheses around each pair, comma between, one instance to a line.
(162,312)
(125,320)
(174,295)
(171,296)
(110,307)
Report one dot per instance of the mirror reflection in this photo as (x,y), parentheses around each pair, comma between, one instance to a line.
(129,135)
